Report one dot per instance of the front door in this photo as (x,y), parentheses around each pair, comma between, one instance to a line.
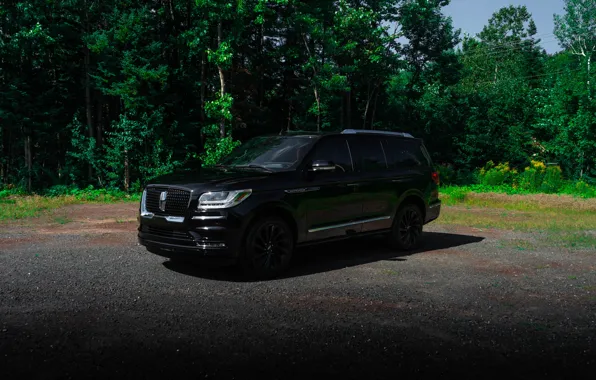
(334,209)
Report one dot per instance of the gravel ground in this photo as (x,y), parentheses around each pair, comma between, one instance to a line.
(83,300)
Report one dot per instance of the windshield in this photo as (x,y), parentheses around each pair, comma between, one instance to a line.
(269,152)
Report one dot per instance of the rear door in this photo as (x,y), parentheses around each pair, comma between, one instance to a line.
(374,186)
(407,165)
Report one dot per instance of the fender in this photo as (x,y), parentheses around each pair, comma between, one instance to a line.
(272,202)
(412,193)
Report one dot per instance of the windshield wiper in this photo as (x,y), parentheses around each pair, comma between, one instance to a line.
(253,166)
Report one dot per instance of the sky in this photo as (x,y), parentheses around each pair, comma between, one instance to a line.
(472,15)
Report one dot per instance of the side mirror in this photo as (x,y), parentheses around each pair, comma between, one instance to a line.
(321,166)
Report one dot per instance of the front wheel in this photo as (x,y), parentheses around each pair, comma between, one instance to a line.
(407,228)
(269,247)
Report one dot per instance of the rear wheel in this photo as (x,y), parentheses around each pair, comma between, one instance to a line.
(269,247)
(407,228)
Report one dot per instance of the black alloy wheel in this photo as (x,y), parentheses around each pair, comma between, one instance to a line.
(407,228)
(269,248)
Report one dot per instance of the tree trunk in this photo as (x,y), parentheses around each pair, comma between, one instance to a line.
(99,120)
(88,89)
(126,171)
(203,64)
(369,95)
(318,99)
(372,120)
(589,73)
(28,158)
(4,162)
(348,96)
(222,81)
(342,111)
(289,117)
(261,67)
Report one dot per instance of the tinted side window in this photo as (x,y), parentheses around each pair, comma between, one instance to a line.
(334,149)
(404,153)
(367,154)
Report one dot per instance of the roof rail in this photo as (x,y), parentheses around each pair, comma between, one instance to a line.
(356,131)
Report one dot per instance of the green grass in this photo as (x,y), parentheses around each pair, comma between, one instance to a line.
(460,193)
(15,206)
(62,220)
(572,218)
(572,240)
(519,244)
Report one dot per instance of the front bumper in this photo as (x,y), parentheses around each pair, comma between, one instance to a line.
(215,236)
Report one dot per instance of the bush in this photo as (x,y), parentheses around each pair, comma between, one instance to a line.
(57,190)
(91,194)
(580,188)
(9,190)
(447,174)
(501,174)
(532,177)
(552,181)
(456,194)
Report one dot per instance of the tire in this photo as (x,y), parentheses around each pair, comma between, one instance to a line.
(269,246)
(406,231)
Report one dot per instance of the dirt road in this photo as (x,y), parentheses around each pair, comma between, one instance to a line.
(80,299)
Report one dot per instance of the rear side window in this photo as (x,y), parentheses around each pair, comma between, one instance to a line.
(367,154)
(403,153)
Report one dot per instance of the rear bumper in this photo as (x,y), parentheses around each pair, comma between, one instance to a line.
(433,211)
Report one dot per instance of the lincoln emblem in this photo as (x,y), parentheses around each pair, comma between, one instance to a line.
(162,200)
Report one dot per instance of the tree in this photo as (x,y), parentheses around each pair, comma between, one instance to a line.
(502,67)
(576,31)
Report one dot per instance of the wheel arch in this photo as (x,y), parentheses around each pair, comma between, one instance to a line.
(412,197)
(272,209)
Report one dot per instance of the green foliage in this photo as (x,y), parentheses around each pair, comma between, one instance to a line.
(537,177)
(579,188)
(553,180)
(447,174)
(114,93)
(91,194)
(497,175)
(533,176)
(217,148)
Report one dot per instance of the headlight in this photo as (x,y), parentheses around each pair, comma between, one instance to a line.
(144,211)
(223,199)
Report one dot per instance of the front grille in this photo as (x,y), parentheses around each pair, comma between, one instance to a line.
(167,233)
(176,201)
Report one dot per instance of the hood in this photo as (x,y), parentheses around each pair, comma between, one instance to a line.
(198,179)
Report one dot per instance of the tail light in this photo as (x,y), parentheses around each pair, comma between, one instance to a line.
(435,177)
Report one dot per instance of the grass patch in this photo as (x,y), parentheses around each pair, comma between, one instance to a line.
(547,220)
(519,244)
(579,240)
(507,198)
(573,217)
(62,220)
(14,207)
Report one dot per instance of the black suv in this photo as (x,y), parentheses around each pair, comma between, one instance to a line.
(274,193)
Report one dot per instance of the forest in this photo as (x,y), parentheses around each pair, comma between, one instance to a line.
(112,93)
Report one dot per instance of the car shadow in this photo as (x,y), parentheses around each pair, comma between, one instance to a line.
(329,257)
